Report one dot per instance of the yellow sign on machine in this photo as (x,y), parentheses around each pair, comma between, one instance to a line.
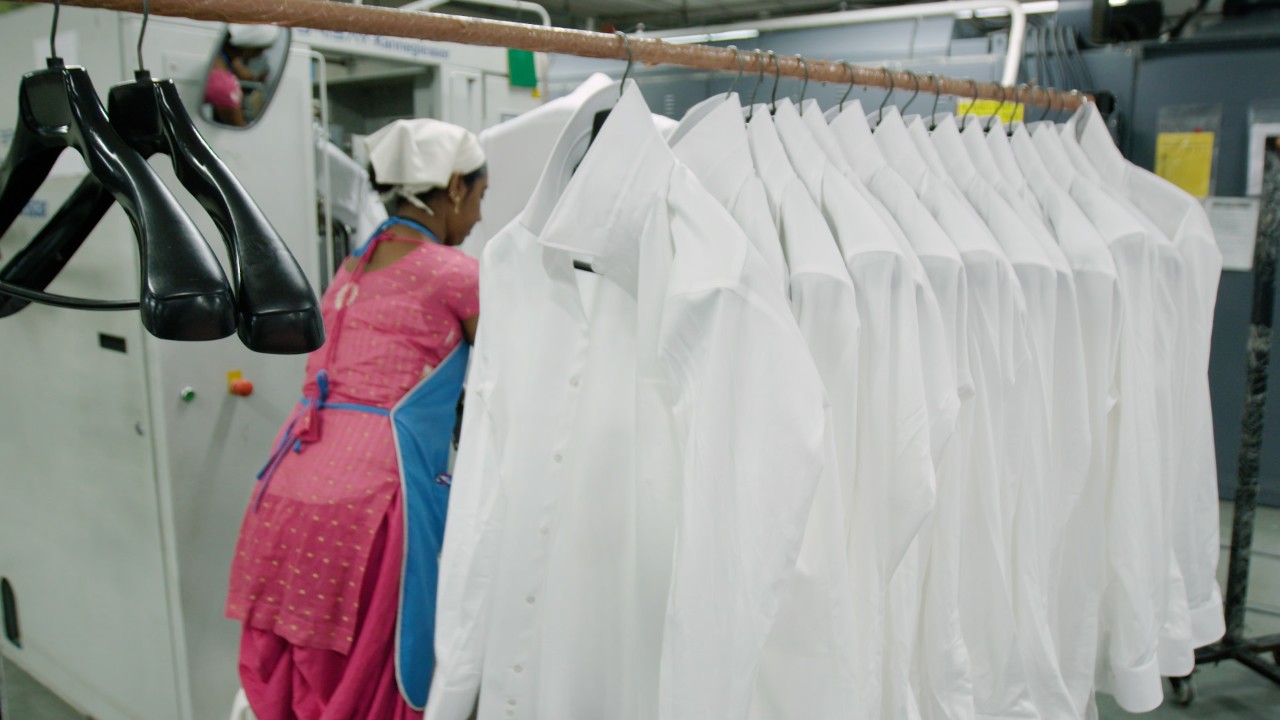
(1007,112)
(1186,160)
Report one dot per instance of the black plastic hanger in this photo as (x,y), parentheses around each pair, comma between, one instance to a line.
(276,308)
(184,293)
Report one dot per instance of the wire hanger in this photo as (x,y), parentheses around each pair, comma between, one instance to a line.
(888,76)
(626,41)
(751,104)
(937,95)
(914,95)
(1020,92)
(973,86)
(804,87)
(737,56)
(847,66)
(1004,96)
(777,76)
(1048,106)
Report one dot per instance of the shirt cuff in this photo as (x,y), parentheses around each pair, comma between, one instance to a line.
(451,700)
(1138,689)
(1207,622)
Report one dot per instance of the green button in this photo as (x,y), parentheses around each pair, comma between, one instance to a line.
(188,394)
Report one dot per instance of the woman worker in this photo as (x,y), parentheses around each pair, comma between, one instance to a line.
(335,571)
(222,89)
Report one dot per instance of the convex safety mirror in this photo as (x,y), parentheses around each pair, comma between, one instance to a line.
(244,72)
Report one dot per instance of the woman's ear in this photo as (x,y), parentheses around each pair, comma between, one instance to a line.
(457,188)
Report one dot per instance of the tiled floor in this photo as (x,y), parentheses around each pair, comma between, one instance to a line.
(1227,691)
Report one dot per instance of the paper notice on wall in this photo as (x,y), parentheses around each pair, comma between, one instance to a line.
(1186,160)
(1259,134)
(1235,225)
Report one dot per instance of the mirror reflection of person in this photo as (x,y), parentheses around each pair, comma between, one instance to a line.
(231,66)
(334,573)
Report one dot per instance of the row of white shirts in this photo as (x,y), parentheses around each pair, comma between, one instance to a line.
(892,423)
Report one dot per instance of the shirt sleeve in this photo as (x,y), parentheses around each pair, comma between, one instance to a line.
(468,558)
(751,406)
(461,290)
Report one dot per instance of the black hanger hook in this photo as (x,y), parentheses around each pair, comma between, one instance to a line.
(1019,95)
(847,66)
(937,95)
(626,41)
(915,78)
(888,75)
(973,86)
(751,104)
(1048,103)
(1004,96)
(777,75)
(146,15)
(804,87)
(53,34)
(737,56)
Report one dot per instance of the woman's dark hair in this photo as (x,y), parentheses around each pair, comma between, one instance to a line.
(470,180)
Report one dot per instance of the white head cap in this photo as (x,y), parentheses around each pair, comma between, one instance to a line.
(253,36)
(421,155)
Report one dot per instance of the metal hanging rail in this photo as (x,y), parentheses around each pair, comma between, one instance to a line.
(370,20)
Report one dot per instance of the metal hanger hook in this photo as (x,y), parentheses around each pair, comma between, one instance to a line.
(1048,103)
(937,95)
(737,56)
(777,75)
(1004,96)
(146,15)
(973,86)
(53,31)
(751,104)
(626,41)
(916,79)
(847,66)
(804,87)
(888,75)
(1019,95)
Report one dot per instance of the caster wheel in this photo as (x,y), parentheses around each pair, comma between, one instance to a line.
(1184,690)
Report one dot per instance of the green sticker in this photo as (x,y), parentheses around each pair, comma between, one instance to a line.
(521,68)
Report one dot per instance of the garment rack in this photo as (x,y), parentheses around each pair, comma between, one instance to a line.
(371,20)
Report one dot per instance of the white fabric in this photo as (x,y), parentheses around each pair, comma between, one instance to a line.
(998,352)
(941,674)
(1082,579)
(253,37)
(1183,220)
(809,665)
(1134,604)
(677,373)
(1176,653)
(353,199)
(422,154)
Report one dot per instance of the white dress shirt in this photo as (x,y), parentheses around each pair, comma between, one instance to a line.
(807,664)
(997,344)
(1172,306)
(859,219)
(941,675)
(893,465)
(678,375)
(1037,514)
(1134,604)
(1077,599)
(1183,220)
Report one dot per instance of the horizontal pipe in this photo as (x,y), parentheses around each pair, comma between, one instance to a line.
(370,20)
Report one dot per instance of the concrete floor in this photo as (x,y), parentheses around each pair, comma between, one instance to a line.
(1227,691)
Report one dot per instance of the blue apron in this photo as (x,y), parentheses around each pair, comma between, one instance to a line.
(422,425)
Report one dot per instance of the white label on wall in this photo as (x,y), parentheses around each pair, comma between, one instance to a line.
(1235,225)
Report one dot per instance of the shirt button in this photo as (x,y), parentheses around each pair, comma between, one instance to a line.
(573,381)
(518,669)
(530,600)
(558,457)
(544,530)
(512,702)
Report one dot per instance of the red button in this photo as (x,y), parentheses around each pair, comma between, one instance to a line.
(241,387)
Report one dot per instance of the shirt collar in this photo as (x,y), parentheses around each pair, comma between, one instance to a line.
(1054,156)
(603,211)
(851,130)
(811,115)
(558,171)
(950,147)
(976,144)
(715,146)
(772,165)
(1001,148)
(1088,128)
(893,139)
(806,157)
